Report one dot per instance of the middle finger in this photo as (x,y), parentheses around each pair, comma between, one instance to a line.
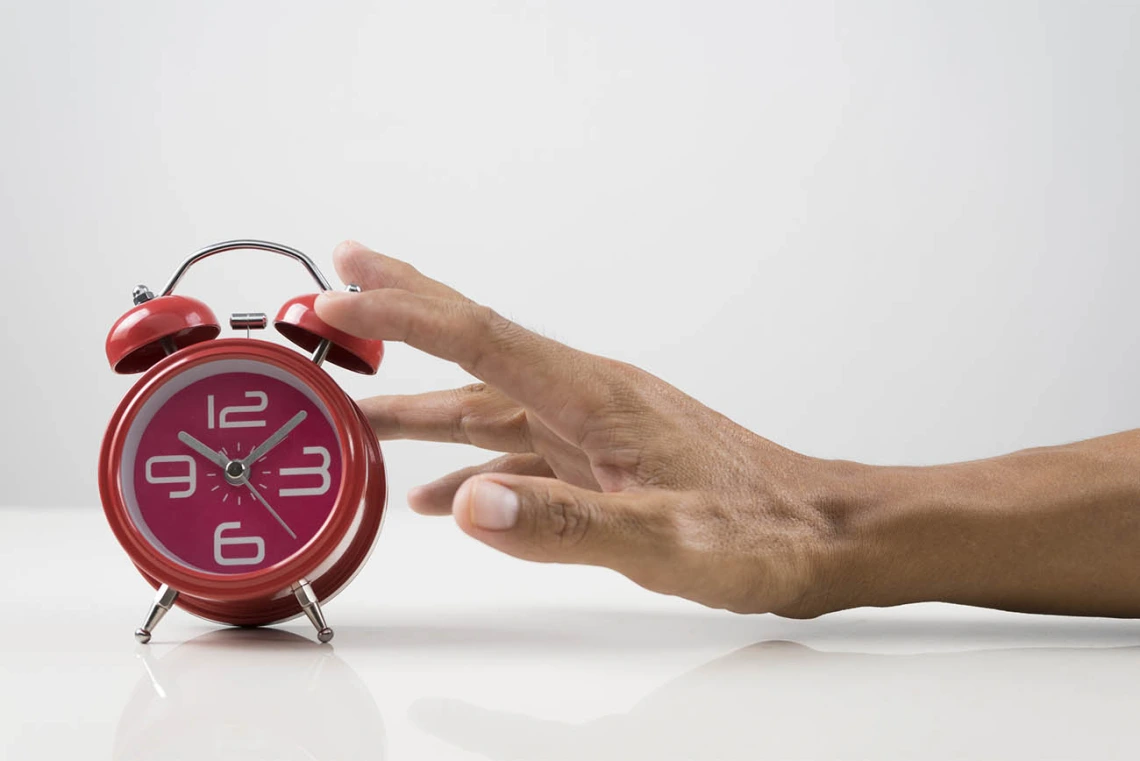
(477,415)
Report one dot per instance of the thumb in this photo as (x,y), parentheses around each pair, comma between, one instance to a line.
(548,520)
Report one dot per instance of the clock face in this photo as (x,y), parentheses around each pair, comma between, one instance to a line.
(231,466)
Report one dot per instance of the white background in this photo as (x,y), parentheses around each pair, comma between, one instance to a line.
(891,232)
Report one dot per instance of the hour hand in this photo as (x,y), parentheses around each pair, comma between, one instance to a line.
(277,437)
(217,458)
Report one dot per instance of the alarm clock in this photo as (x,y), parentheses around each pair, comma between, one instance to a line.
(242,482)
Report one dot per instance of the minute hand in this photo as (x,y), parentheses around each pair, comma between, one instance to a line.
(261,450)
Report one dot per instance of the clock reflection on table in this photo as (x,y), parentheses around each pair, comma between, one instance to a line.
(248,694)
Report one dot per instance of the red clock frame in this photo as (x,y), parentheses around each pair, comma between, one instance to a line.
(328,561)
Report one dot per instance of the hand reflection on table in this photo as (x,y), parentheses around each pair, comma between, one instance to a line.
(784,700)
(249,694)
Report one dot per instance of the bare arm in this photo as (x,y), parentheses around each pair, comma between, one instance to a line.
(608,465)
(1050,530)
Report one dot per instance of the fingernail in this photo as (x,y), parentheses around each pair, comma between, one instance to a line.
(494,507)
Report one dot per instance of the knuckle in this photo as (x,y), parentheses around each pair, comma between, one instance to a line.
(623,374)
(495,340)
(488,328)
(567,521)
(472,390)
(483,417)
(617,406)
(467,421)
(625,392)
(515,424)
(405,269)
(623,371)
(491,323)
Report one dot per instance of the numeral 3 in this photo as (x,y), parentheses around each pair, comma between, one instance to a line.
(321,470)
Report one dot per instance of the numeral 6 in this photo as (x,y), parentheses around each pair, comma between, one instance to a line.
(222,541)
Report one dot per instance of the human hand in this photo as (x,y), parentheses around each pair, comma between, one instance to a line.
(606,464)
(610,466)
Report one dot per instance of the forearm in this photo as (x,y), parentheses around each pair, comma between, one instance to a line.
(1051,530)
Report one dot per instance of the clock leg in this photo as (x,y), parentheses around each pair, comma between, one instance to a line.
(163,601)
(312,607)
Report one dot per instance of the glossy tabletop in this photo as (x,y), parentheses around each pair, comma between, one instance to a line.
(445,650)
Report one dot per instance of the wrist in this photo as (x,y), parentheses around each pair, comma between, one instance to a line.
(897,535)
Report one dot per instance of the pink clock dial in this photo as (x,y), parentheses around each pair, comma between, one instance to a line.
(231,467)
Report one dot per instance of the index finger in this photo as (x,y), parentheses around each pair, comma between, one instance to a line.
(563,386)
(360,265)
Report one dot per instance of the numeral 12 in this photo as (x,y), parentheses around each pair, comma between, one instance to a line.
(224,420)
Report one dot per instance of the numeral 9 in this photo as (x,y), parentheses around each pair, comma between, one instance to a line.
(190,479)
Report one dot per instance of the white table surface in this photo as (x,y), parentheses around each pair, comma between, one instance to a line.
(446,650)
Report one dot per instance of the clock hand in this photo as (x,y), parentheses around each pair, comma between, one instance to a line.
(217,458)
(223,462)
(262,449)
(272,512)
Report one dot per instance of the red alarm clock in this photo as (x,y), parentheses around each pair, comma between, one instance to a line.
(243,483)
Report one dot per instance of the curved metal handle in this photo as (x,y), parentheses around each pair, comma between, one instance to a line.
(260,245)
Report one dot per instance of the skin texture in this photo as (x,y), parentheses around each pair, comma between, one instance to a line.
(605,464)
